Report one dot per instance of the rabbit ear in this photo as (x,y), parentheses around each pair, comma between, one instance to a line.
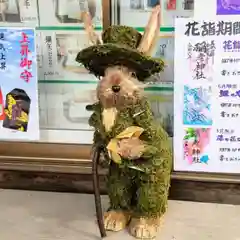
(151,31)
(93,37)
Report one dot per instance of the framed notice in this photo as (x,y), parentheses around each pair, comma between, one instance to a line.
(207,95)
(18,13)
(69,12)
(18,85)
(172,9)
(58,51)
(164,50)
(136,13)
(161,100)
(63,114)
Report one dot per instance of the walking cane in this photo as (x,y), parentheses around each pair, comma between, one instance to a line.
(98,205)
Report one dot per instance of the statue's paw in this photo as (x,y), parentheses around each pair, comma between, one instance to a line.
(131,148)
(116,220)
(144,228)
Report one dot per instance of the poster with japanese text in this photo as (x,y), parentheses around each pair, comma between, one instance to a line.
(18,13)
(18,85)
(172,9)
(161,101)
(69,12)
(63,114)
(65,120)
(136,13)
(58,51)
(164,49)
(207,96)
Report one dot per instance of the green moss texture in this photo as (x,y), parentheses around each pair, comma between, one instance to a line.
(119,48)
(141,185)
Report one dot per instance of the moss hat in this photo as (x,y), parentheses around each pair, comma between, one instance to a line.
(119,48)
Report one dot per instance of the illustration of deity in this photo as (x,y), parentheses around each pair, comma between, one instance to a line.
(196,109)
(194,144)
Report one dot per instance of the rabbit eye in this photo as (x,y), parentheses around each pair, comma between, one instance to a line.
(133,74)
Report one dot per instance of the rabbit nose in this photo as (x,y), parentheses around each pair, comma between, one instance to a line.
(116,88)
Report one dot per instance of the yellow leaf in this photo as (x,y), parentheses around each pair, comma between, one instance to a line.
(112,145)
(129,132)
(116,158)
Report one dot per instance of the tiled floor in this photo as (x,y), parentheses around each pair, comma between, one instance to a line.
(28,215)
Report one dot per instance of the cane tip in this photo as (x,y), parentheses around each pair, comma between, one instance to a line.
(103,235)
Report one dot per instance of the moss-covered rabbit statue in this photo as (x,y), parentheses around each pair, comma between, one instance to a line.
(139,150)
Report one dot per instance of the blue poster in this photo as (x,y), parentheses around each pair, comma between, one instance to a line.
(19,117)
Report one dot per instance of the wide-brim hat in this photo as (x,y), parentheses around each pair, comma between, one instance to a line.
(119,48)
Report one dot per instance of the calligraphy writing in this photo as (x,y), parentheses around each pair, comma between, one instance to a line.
(228,93)
(230,73)
(2,53)
(226,135)
(223,138)
(25,63)
(203,53)
(227,159)
(230,60)
(231,46)
(228,105)
(49,47)
(27,3)
(228,115)
(229,149)
(225,131)
(219,28)
(227,86)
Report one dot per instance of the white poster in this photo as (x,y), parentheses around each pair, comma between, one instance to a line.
(19,119)
(164,50)
(64,118)
(69,12)
(136,13)
(18,13)
(172,9)
(207,95)
(63,114)
(161,100)
(58,52)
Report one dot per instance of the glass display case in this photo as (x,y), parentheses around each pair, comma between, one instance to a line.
(136,12)
(65,87)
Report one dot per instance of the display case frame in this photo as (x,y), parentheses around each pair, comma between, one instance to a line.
(67,167)
(46,156)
